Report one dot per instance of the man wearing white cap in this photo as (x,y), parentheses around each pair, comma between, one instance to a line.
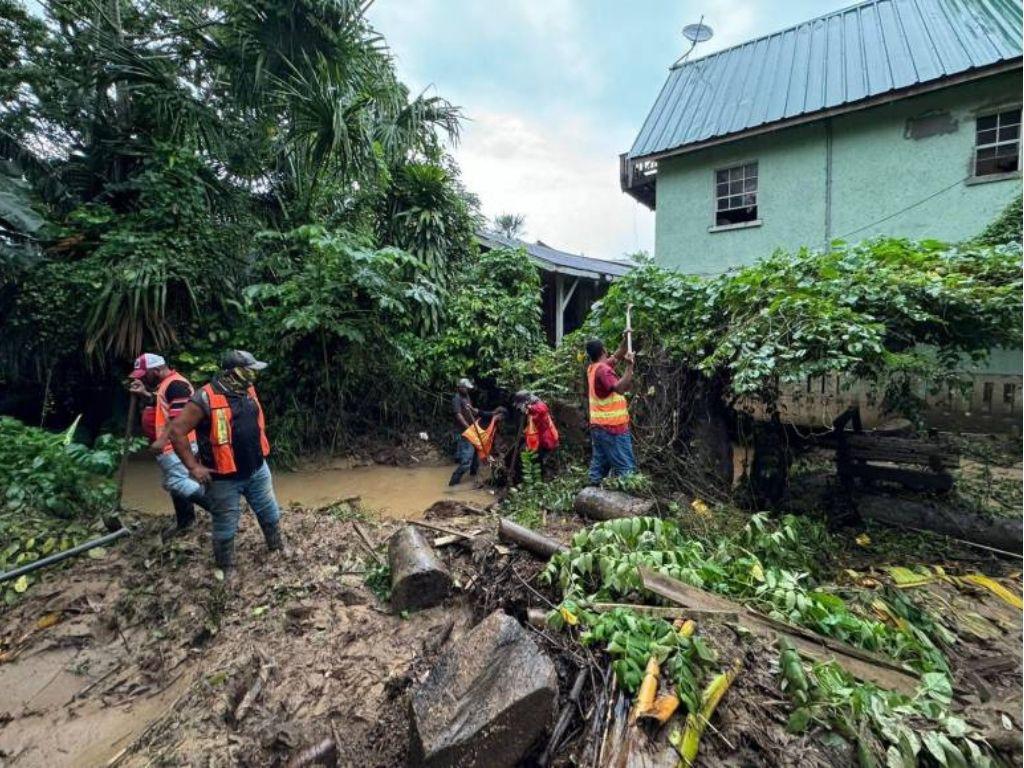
(465,415)
(165,393)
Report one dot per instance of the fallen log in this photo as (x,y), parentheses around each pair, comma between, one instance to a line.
(669,612)
(859,663)
(1004,533)
(418,578)
(533,542)
(603,504)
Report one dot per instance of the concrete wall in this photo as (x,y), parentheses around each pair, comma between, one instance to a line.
(877,170)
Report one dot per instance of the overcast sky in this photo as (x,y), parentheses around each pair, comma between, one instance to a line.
(554,90)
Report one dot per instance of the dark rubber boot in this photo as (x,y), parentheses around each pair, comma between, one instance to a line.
(200,501)
(456,478)
(274,539)
(224,557)
(184,513)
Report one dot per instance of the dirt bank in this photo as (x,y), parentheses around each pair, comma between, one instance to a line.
(390,491)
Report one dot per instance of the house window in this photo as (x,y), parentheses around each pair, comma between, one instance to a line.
(997,147)
(736,195)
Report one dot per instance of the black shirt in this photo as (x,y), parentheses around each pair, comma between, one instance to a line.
(462,404)
(245,433)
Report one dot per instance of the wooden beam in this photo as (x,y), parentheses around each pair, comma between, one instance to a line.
(861,664)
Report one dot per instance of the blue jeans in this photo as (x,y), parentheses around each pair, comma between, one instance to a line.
(176,479)
(225,497)
(465,455)
(611,453)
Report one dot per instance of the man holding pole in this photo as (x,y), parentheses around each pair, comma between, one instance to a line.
(611,440)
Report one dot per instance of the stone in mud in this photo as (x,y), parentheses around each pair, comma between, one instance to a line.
(486,701)
(418,578)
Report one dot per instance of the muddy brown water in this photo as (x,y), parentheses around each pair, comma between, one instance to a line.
(391,492)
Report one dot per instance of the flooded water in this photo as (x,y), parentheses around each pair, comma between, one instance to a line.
(397,492)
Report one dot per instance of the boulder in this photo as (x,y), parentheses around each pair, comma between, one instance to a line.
(486,701)
(604,504)
(418,578)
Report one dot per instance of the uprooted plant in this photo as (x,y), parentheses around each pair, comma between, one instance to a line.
(774,568)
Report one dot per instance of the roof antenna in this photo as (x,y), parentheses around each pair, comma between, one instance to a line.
(695,33)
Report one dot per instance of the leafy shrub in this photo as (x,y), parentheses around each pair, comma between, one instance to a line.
(1006,228)
(53,491)
(492,320)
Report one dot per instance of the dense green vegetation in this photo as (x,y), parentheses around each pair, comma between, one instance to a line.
(189,177)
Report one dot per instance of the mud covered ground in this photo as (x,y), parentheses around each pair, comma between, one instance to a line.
(144,658)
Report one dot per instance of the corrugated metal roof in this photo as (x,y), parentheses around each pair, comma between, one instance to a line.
(554,260)
(855,54)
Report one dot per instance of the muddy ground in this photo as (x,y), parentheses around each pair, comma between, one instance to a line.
(144,658)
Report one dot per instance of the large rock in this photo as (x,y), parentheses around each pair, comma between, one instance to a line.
(418,578)
(604,504)
(486,701)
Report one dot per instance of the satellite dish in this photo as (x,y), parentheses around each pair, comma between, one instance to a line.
(698,33)
(695,33)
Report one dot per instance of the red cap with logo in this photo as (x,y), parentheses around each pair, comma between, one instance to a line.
(144,363)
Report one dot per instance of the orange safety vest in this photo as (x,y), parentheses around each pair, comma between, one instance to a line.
(611,411)
(162,413)
(532,434)
(220,429)
(482,439)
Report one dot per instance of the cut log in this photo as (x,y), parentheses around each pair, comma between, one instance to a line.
(859,663)
(486,702)
(418,578)
(603,504)
(1004,533)
(533,542)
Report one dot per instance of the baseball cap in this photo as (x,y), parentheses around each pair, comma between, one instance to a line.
(144,363)
(239,358)
(466,384)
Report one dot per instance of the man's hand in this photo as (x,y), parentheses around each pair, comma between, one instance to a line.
(201,474)
(158,445)
(630,358)
(138,389)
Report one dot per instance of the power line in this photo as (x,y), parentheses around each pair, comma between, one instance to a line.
(922,201)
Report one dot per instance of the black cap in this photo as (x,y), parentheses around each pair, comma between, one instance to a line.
(239,358)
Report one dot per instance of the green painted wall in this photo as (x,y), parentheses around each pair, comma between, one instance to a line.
(877,171)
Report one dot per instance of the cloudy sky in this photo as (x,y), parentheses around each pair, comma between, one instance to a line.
(554,90)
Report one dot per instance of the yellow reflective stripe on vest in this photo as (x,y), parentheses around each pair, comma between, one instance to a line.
(611,411)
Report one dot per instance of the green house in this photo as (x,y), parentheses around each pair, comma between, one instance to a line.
(896,117)
(889,117)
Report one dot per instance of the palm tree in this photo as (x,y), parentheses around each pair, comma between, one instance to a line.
(510,225)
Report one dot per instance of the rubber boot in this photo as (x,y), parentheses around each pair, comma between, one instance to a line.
(275,541)
(200,500)
(184,516)
(224,558)
(456,478)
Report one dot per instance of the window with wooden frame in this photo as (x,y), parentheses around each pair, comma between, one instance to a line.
(997,143)
(736,195)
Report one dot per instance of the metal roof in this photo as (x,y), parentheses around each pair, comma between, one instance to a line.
(857,54)
(551,260)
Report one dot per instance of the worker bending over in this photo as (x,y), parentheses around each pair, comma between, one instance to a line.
(228,420)
(610,438)
(165,392)
(540,433)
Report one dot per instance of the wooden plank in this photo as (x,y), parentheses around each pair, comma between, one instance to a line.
(913,479)
(900,450)
(859,663)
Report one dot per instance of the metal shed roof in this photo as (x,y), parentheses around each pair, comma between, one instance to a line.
(853,55)
(552,260)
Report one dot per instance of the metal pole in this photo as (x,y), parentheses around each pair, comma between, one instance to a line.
(67,553)
(629,328)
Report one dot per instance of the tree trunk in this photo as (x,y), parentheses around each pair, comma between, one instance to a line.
(418,578)
(541,546)
(602,504)
(1002,533)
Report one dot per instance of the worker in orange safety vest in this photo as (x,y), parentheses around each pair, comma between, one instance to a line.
(164,393)
(230,425)
(540,433)
(610,437)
